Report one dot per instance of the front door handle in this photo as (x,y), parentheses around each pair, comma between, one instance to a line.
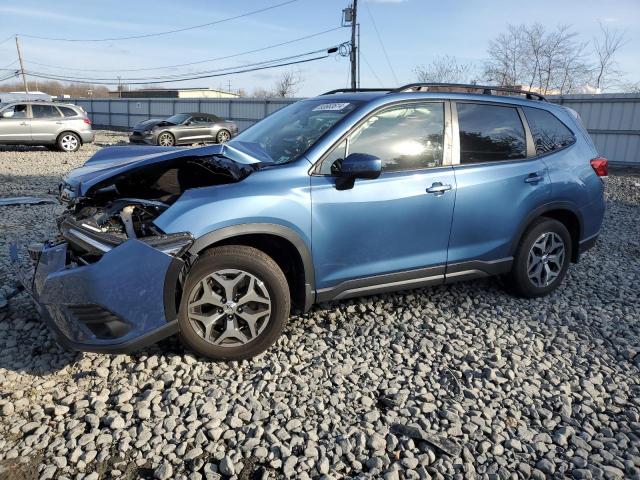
(438,188)
(24,123)
(533,178)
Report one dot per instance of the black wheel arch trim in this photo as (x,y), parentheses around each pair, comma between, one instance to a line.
(286,233)
(539,212)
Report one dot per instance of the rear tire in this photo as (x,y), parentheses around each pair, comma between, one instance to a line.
(541,260)
(68,142)
(240,327)
(223,136)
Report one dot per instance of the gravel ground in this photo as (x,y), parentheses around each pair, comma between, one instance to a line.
(457,382)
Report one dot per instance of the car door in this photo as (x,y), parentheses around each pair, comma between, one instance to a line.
(16,128)
(46,123)
(197,129)
(394,228)
(498,185)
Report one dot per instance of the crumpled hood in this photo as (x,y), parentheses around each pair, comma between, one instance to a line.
(112,161)
(148,124)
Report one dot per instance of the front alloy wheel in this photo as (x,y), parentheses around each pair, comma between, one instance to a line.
(229,307)
(235,303)
(166,140)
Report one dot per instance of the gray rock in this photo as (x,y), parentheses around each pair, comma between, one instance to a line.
(227,467)
(164,471)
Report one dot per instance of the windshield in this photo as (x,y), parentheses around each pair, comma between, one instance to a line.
(289,133)
(177,119)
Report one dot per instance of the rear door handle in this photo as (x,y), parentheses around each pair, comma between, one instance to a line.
(438,188)
(533,178)
(24,123)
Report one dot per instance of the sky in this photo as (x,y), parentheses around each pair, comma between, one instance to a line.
(413,32)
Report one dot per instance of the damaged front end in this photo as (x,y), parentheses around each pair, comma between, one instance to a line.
(111,281)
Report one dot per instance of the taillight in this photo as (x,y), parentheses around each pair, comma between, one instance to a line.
(87,121)
(601,166)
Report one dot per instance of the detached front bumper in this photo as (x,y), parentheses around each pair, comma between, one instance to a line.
(121,303)
(141,138)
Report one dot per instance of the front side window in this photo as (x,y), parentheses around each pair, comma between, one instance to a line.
(288,133)
(16,111)
(490,133)
(44,111)
(548,132)
(407,137)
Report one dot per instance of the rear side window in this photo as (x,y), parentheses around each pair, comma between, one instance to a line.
(548,132)
(44,111)
(490,133)
(68,112)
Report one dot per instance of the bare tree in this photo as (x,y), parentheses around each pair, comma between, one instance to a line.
(606,48)
(548,61)
(505,65)
(260,92)
(445,69)
(288,83)
(53,87)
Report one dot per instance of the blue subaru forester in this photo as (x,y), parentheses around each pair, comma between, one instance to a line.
(348,194)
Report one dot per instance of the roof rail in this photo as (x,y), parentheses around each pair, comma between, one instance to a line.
(486,89)
(353,90)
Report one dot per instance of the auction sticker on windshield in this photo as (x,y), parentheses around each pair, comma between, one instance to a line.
(334,107)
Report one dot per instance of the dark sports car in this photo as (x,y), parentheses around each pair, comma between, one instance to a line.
(183,129)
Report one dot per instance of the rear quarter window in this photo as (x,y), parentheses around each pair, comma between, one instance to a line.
(68,112)
(549,134)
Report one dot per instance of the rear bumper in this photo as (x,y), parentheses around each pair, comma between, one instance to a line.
(119,304)
(87,136)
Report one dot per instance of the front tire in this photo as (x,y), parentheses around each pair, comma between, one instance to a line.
(68,142)
(235,303)
(166,139)
(542,259)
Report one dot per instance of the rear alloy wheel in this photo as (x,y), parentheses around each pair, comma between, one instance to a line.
(223,136)
(68,142)
(235,303)
(542,258)
(166,139)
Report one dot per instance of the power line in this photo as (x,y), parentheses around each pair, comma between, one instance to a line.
(167,32)
(177,77)
(9,64)
(190,78)
(10,37)
(371,68)
(384,50)
(288,42)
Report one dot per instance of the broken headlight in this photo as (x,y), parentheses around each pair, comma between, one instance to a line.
(174,244)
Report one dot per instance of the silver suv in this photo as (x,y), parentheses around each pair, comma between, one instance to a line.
(64,126)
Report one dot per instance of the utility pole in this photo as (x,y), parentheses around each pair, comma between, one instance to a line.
(354,47)
(24,77)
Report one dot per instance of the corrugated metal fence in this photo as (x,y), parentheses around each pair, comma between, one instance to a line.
(613,120)
(126,112)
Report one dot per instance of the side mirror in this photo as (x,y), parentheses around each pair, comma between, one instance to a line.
(357,165)
(7,114)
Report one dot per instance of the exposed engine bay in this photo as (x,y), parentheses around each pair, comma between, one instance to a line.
(126,205)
